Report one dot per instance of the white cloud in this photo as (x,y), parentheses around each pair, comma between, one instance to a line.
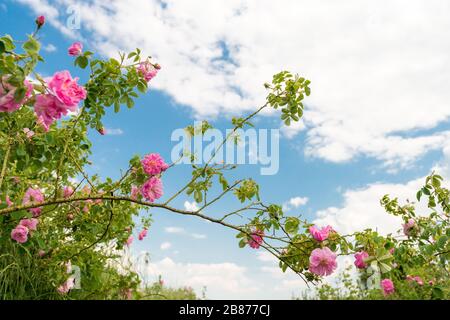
(165,245)
(291,131)
(223,280)
(113,131)
(265,256)
(182,231)
(177,230)
(294,203)
(361,208)
(377,68)
(191,206)
(50,48)
(198,236)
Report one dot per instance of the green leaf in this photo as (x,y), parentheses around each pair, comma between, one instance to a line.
(437,293)
(291,225)
(32,46)
(82,62)
(442,241)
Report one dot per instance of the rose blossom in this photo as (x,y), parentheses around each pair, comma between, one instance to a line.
(147,70)
(322,261)
(20,234)
(143,234)
(7,91)
(320,234)
(29,133)
(388,286)
(256,239)
(66,89)
(33,196)
(75,49)
(359,259)
(66,286)
(407,227)
(31,224)
(134,192)
(68,192)
(40,21)
(153,164)
(64,96)
(152,189)
(129,241)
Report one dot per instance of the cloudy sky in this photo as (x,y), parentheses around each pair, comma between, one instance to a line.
(377,121)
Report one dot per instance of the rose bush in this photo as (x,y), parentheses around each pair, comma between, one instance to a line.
(53,214)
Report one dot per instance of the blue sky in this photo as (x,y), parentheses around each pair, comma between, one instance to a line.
(377,121)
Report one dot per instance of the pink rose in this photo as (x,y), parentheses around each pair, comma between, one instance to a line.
(153,164)
(408,227)
(33,196)
(40,21)
(129,241)
(359,259)
(320,234)
(66,286)
(418,280)
(68,192)
(20,234)
(75,49)
(143,234)
(7,91)
(322,261)
(66,89)
(31,224)
(388,286)
(256,239)
(29,133)
(134,192)
(147,70)
(152,189)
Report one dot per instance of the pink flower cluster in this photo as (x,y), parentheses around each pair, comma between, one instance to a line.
(23,229)
(359,259)
(154,164)
(7,91)
(64,96)
(33,196)
(256,239)
(387,286)
(322,262)
(147,70)
(320,234)
(417,279)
